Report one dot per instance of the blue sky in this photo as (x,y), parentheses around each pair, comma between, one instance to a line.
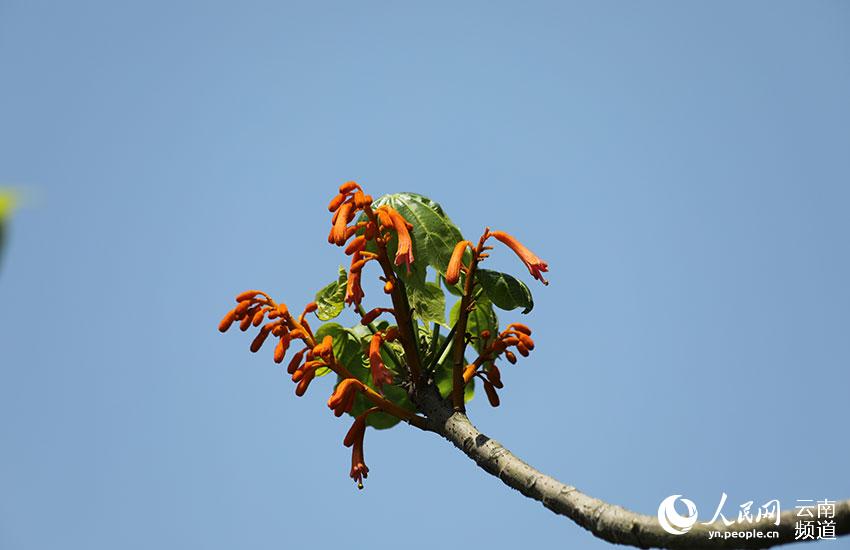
(683,167)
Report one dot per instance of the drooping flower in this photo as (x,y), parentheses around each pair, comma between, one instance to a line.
(353,291)
(404,252)
(281,347)
(534,264)
(455,263)
(492,396)
(304,375)
(380,374)
(354,439)
(494,376)
(295,362)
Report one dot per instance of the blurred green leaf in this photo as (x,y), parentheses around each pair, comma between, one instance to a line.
(428,303)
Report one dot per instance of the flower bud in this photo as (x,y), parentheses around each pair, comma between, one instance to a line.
(247,296)
(227,321)
(492,396)
(295,362)
(494,376)
(348,187)
(455,262)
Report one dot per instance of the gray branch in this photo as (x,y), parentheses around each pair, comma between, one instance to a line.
(606,521)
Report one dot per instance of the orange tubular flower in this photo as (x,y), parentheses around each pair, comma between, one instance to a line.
(325,349)
(343,396)
(338,230)
(248,295)
(281,347)
(353,291)
(534,264)
(348,187)
(354,439)
(523,350)
(357,245)
(453,271)
(404,253)
(335,203)
(519,327)
(295,362)
(227,321)
(494,376)
(361,200)
(304,375)
(380,374)
(384,217)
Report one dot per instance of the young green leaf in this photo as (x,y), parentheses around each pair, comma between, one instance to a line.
(331,299)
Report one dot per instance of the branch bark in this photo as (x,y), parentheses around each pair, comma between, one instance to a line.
(606,521)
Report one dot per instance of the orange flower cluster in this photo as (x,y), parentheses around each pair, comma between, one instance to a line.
(516,335)
(376,227)
(254,306)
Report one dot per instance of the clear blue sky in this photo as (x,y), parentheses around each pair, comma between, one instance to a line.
(683,167)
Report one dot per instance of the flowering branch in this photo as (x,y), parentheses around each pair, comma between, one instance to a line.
(379,396)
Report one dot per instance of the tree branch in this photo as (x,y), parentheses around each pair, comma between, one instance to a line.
(606,521)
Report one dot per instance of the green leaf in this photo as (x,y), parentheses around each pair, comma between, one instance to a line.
(457,288)
(481,318)
(434,235)
(428,303)
(505,291)
(331,299)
